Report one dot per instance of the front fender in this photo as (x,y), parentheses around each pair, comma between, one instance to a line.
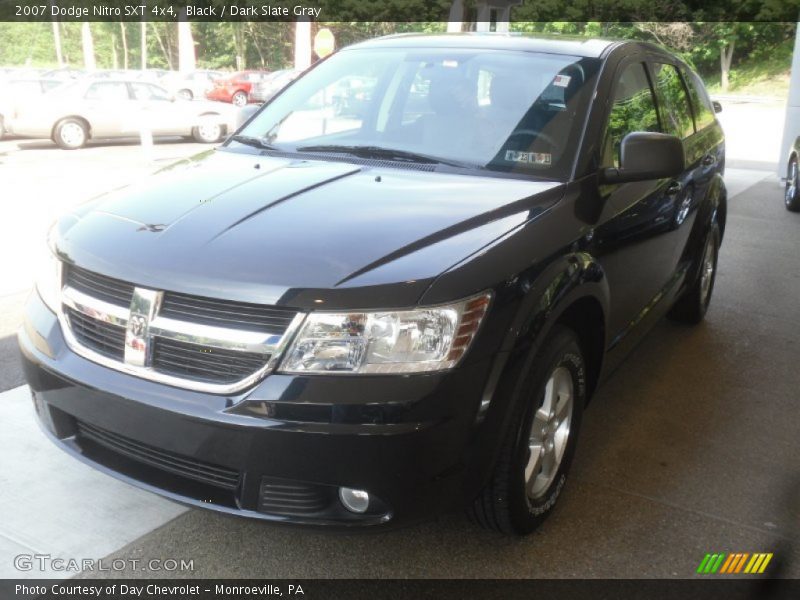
(566,280)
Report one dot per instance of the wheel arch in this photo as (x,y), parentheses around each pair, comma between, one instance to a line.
(571,291)
(83,120)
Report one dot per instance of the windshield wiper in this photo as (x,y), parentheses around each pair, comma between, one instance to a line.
(256,142)
(386,154)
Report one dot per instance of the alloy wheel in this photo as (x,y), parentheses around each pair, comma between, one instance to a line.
(707,269)
(791,183)
(549,433)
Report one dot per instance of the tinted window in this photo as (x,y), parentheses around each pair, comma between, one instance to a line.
(701,103)
(672,93)
(112,91)
(634,109)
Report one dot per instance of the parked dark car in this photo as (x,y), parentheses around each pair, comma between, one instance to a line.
(357,321)
(236,88)
(791,196)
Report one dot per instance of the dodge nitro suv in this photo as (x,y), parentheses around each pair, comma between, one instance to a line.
(356,314)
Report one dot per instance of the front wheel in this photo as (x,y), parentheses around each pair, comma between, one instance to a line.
(791,195)
(185,94)
(71,134)
(239,99)
(693,304)
(532,468)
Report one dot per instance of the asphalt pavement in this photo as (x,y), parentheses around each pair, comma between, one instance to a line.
(691,447)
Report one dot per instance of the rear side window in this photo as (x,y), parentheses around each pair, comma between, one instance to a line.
(701,103)
(115,91)
(634,109)
(672,94)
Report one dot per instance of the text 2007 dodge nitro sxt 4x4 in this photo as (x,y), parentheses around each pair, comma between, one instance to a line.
(393,290)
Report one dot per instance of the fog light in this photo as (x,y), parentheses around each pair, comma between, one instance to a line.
(356,501)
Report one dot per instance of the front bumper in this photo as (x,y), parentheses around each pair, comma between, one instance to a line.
(404,439)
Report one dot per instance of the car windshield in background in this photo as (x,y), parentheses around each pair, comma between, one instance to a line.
(514,112)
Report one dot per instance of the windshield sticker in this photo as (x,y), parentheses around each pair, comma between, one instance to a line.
(450,64)
(535,158)
(561,80)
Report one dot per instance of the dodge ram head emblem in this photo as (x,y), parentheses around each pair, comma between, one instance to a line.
(138,325)
(144,305)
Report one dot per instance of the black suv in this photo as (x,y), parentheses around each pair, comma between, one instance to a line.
(358,313)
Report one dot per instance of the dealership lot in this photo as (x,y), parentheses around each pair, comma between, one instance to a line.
(690,448)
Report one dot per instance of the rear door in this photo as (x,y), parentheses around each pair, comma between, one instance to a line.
(108,108)
(160,113)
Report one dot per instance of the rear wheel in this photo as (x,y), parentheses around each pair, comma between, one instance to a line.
(71,134)
(692,306)
(239,98)
(792,192)
(185,94)
(532,468)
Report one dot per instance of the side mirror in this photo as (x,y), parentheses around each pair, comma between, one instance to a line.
(645,155)
(717,106)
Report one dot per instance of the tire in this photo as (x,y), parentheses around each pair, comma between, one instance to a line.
(693,304)
(520,496)
(208,133)
(239,99)
(71,134)
(791,196)
(185,94)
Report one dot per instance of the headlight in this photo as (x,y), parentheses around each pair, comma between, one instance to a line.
(409,341)
(48,280)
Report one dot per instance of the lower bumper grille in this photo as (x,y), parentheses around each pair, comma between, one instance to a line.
(286,497)
(215,475)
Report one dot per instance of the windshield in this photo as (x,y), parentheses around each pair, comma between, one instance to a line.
(507,111)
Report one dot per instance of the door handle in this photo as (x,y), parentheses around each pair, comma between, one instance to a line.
(708,160)
(674,188)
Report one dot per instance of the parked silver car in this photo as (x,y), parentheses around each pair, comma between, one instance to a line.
(16,93)
(85,109)
(191,85)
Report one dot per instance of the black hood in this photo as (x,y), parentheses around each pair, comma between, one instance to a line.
(301,233)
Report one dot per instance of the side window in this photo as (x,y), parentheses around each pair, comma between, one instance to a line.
(112,91)
(701,103)
(672,95)
(634,109)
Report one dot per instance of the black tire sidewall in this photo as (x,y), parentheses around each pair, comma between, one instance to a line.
(563,350)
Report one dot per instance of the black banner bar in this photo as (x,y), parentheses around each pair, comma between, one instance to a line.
(397,10)
(741,588)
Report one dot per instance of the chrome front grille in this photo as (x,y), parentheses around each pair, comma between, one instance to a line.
(204,363)
(98,286)
(224,313)
(198,343)
(104,338)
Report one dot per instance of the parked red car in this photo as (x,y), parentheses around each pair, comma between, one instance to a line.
(236,88)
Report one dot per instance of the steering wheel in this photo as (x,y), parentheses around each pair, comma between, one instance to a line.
(537,135)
